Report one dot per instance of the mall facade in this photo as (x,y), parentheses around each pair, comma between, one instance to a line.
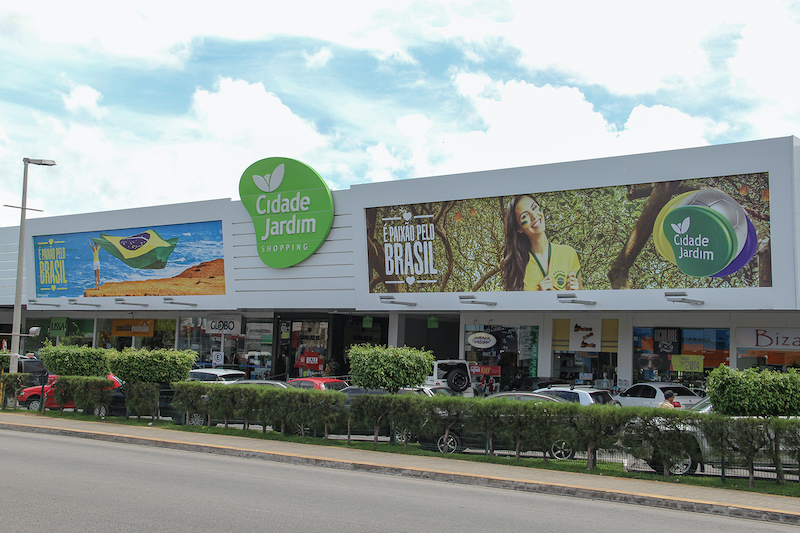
(658,266)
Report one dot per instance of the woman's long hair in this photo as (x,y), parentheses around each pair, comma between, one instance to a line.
(517,247)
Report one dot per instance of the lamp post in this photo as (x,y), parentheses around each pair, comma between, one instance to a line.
(17,321)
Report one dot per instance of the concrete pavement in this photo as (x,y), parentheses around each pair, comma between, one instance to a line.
(732,503)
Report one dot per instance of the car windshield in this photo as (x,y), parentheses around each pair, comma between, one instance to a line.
(335,385)
(702,405)
(602,396)
(232,377)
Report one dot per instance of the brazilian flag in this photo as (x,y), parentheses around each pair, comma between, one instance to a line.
(143,250)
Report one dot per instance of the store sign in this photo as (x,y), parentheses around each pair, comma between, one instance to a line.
(705,229)
(132,328)
(783,339)
(666,341)
(482,340)
(687,362)
(291,207)
(585,335)
(484,370)
(58,327)
(229,325)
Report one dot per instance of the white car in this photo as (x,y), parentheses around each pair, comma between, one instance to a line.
(216,374)
(651,394)
(583,395)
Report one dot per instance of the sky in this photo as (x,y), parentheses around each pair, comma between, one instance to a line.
(151,103)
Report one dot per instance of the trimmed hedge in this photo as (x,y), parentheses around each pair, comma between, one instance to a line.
(12,385)
(69,360)
(391,368)
(151,366)
(754,392)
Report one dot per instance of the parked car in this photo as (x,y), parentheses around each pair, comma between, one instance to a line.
(524,396)
(31,398)
(578,394)
(652,393)
(317,383)
(263,382)
(216,374)
(453,373)
(534,383)
(465,436)
(34,367)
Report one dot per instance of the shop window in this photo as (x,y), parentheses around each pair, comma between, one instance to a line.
(684,355)
(302,348)
(595,368)
(151,333)
(500,357)
(255,356)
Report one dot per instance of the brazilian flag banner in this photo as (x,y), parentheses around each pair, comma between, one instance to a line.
(143,250)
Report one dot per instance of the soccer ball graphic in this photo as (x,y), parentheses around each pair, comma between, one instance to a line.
(726,206)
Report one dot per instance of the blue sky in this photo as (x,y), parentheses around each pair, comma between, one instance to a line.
(163,102)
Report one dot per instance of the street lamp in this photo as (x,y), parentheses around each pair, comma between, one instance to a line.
(17,321)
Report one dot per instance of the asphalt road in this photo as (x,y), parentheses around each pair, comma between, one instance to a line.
(54,483)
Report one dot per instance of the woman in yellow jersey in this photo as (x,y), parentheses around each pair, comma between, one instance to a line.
(532,262)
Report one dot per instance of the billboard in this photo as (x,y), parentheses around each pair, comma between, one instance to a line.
(693,233)
(173,260)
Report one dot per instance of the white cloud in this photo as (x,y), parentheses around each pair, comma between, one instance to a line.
(525,125)
(319,58)
(84,98)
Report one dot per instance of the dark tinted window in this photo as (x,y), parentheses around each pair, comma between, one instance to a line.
(335,385)
(636,391)
(679,391)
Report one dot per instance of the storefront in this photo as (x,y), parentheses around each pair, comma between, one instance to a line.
(609,272)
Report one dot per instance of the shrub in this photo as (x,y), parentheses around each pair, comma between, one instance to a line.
(12,385)
(62,392)
(754,392)
(152,366)
(90,392)
(69,360)
(390,368)
(141,398)
(191,397)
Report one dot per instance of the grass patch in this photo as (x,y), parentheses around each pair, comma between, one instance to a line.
(763,486)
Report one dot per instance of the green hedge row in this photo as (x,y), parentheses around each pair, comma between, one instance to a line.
(660,436)
(130,365)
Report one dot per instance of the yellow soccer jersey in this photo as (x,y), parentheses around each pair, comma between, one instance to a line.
(563,258)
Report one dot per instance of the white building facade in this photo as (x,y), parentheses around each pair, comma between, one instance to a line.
(659,266)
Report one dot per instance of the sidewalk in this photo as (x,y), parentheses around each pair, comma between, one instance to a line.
(665,495)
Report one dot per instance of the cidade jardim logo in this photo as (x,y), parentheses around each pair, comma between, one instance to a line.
(291,207)
(705,233)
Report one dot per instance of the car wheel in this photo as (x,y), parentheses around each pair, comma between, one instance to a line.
(101,411)
(301,430)
(685,466)
(34,404)
(196,419)
(561,450)
(402,436)
(451,445)
(458,380)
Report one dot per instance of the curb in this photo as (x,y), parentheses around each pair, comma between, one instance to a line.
(713,508)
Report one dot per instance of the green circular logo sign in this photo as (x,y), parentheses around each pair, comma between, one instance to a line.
(702,240)
(291,207)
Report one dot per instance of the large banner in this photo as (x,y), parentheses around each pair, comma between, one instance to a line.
(708,232)
(180,259)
